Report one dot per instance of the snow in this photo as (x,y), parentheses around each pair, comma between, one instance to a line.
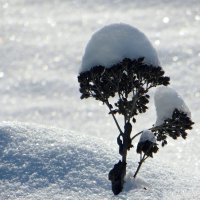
(39,162)
(166,101)
(113,43)
(147,135)
(41,48)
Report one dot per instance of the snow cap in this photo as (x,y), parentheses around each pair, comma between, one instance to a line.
(113,43)
(166,101)
(147,135)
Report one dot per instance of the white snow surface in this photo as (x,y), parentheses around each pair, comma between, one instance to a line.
(111,44)
(166,101)
(37,163)
(147,135)
(41,48)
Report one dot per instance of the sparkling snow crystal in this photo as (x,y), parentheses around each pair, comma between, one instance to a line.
(113,43)
(166,100)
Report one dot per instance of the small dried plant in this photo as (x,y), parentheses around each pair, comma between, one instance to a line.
(127,84)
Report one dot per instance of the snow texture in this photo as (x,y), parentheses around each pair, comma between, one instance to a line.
(41,47)
(39,163)
(147,135)
(166,101)
(113,43)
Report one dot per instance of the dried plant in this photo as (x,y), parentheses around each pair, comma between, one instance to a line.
(129,82)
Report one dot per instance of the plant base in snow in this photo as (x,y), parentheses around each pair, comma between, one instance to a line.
(129,82)
(116,176)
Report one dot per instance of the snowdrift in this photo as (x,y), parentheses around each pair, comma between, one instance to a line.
(49,163)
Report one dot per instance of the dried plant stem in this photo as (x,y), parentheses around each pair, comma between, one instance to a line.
(140,164)
(117,124)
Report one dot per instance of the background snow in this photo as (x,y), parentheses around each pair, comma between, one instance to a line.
(166,101)
(111,44)
(42,44)
(41,47)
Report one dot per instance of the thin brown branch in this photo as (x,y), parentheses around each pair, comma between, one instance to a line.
(117,124)
(107,103)
(151,129)
(140,164)
(136,135)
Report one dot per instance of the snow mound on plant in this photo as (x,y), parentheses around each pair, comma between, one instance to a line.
(113,43)
(166,100)
(49,163)
(147,135)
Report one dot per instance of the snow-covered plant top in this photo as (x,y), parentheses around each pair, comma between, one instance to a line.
(166,101)
(120,62)
(113,43)
(147,135)
(147,143)
(125,79)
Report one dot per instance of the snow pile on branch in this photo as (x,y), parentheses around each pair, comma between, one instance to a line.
(147,144)
(166,101)
(147,135)
(113,43)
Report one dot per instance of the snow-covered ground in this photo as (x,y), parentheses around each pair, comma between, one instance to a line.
(39,163)
(41,47)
